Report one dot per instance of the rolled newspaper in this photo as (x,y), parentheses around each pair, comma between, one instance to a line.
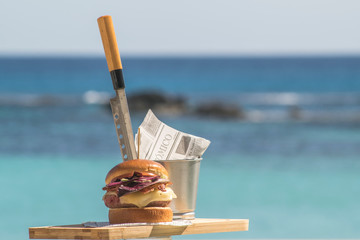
(158,141)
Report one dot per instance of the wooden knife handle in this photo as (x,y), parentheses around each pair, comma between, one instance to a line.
(108,37)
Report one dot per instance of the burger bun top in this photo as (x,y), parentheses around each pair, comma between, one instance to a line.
(136,165)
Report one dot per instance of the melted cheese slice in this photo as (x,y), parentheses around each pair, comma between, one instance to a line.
(141,200)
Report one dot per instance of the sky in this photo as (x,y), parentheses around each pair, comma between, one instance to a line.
(187,27)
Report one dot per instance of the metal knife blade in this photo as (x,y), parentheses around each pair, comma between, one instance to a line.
(122,123)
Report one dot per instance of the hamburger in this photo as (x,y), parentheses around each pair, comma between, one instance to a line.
(138,191)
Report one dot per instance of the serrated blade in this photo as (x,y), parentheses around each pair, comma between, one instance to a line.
(122,123)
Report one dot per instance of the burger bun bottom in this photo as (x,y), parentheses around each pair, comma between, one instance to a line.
(140,215)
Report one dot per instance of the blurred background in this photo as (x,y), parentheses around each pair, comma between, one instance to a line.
(274,85)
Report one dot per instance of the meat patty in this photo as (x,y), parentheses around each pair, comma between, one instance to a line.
(159,204)
(112,201)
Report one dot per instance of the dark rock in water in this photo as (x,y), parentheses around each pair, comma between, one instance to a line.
(157,101)
(219,110)
(295,113)
(161,103)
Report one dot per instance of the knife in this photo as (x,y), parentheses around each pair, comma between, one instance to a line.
(119,106)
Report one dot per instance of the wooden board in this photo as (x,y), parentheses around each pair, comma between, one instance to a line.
(198,226)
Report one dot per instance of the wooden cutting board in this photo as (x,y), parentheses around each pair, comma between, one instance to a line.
(197,226)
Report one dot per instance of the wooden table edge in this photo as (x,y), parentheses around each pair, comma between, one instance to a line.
(198,226)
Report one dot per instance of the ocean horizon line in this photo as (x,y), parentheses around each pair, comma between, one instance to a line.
(182,56)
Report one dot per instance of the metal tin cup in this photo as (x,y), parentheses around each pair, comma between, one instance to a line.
(184,175)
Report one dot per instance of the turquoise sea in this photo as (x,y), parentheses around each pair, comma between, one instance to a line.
(293,178)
